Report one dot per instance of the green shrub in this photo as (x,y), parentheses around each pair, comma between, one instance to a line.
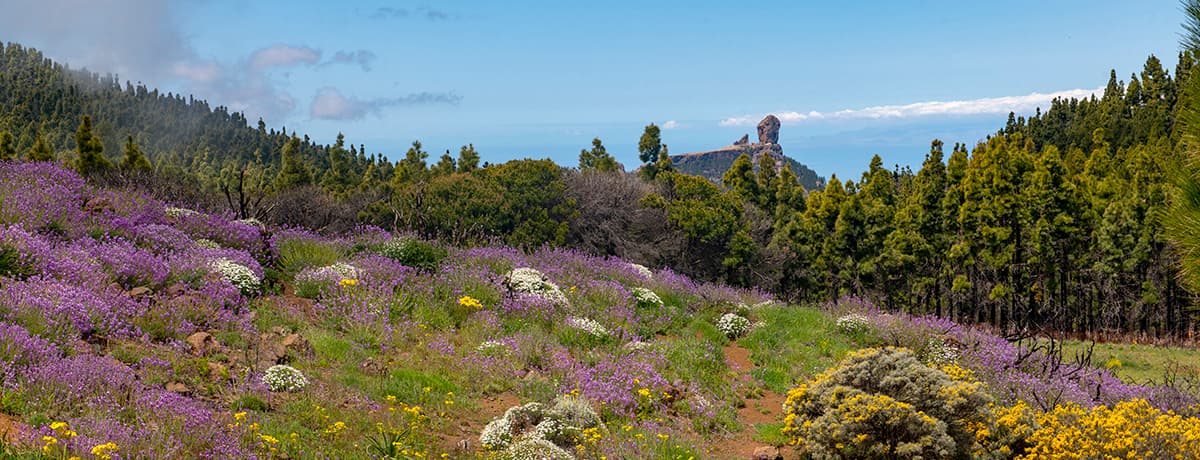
(884,403)
(414,253)
(12,265)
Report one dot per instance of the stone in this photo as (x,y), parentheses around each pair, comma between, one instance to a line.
(745,140)
(178,388)
(139,292)
(295,344)
(202,343)
(217,370)
(768,130)
(766,453)
(97,205)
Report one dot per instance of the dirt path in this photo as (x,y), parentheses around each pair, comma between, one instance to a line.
(768,408)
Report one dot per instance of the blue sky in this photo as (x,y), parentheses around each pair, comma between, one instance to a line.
(541,79)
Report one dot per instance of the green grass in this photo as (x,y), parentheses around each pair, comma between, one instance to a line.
(770,433)
(298,254)
(796,342)
(1137,363)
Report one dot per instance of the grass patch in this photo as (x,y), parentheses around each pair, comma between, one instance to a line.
(1137,363)
(298,254)
(795,343)
(770,433)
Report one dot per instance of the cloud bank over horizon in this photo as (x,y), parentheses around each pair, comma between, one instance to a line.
(991,105)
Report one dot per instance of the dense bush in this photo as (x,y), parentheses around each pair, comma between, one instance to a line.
(414,253)
(883,403)
(1129,429)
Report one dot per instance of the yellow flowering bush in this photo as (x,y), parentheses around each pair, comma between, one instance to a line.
(1129,429)
(884,403)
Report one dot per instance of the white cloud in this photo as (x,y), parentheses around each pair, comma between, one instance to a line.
(672,124)
(330,104)
(1001,105)
(284,56)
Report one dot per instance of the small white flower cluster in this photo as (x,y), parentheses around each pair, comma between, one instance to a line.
(732,325)
(496,434)
(745,309)
(237,274)
(284,378)
(938,352)
(587,325)
(646,297)
(532,431)
(336,272)
(529,281)
(638,346)
(537,449)
(492,348)
(854,323)
(642,270)
(174,212)
(208,244)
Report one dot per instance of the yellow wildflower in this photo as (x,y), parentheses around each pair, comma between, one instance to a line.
(105,451)
(470,302)
(348,282)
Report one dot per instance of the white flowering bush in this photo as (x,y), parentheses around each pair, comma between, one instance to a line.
(310,281)
(854,324)
(589,326)
(536,432)
(642,270)
(733,325)
(529,281)
(646,297)
(237,274)
(533,448)
(492,348)
(497,434)
(208,244)
(284,378)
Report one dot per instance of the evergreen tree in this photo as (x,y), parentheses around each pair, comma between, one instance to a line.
(650,151)
(134,160)
(468,159)
(597,159)
(41,150)
(445,165)
(8,150)
(292,171)
(89,150)
(740,179)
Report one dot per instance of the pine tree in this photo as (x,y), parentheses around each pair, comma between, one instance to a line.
(292,170)
(468,159)
(740,179)
(445,165)
(597,159)
(134,160)
(8,151)
(650,151)
(90,150)
(41,150)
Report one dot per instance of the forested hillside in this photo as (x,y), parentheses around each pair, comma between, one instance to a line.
(1056,221)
